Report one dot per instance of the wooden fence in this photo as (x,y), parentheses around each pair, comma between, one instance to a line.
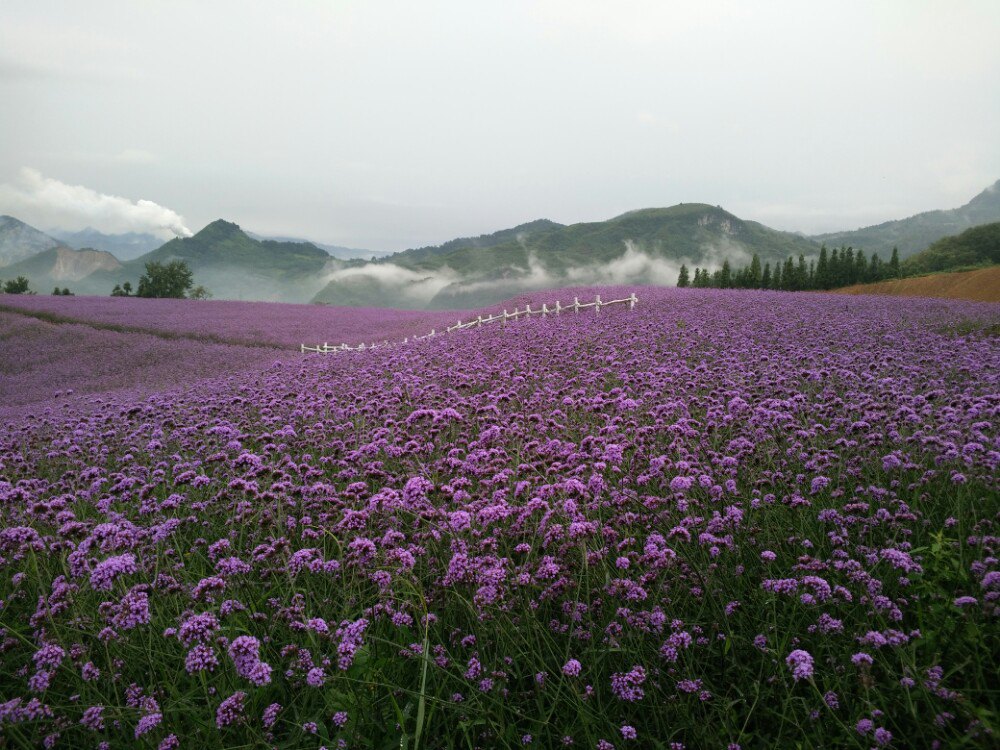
(503,317)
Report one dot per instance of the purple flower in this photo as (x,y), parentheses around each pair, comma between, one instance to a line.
(801,664)
(627,685)
(270,715)
(315,677)
(93,718)
(230,710)
(628,732)
(105,572)
(200,658)
(147,723)
(572,668)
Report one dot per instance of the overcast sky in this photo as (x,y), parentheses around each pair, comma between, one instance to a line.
(386,125)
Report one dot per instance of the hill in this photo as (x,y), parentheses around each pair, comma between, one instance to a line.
(644,246)
(63,266)
(917,232)
(981,285)
(233,265)
(19,241)
(337,251)
(126,246)
(979,246)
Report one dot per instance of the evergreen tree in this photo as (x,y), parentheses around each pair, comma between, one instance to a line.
(765,278)
(811,280)
(777,282)
(836,271)
(875,268)
(847,258)
(725,276)
(788,275)
(682,279)
(754,274)
(895,272)
(823,269)
(801,273)
(860,268)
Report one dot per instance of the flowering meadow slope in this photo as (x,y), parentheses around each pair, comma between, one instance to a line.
(254,323)
(54,365)
(726,519)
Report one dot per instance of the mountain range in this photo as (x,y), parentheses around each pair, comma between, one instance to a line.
(18,241)
(126,246)
(915,233)
(643,246)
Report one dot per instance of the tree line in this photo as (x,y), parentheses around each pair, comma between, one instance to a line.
(174,280)
(833,269)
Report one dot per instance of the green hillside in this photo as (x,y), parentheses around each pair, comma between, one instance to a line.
(541,254)
(223,243)
(917,232)
(232,265)
(979,246)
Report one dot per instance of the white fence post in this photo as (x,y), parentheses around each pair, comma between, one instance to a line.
(576,304)
(597,305)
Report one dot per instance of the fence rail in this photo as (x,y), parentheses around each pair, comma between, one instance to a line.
(503,317)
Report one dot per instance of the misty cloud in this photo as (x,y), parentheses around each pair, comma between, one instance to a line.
(49,204)
(446,288)
(415,287)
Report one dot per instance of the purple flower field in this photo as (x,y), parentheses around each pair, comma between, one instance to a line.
(721,520)
(267,323)
(54,365)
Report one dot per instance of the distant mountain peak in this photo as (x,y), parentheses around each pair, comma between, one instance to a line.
(20,241)
(220,226)
(915,233)
(989,197)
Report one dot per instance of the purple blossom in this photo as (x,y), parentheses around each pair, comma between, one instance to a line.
(105,572)
(801,664)
(230,710)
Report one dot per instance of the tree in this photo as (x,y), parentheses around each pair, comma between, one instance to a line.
(200,292)
(725,276)
(765,279)
(17,286)
(755,274)
(875,268)
(823,269)
(895,271)
(171,280)
(683,279)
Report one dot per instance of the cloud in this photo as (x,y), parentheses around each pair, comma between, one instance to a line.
(447,288)
(49,204)
(412,286)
